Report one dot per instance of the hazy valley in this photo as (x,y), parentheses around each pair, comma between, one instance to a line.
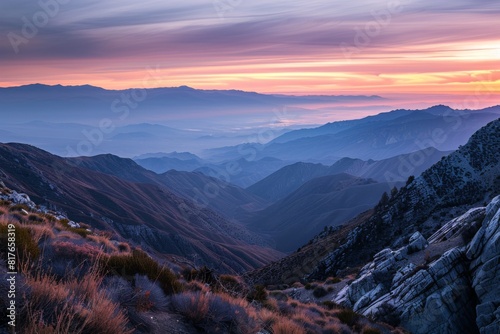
(351,226)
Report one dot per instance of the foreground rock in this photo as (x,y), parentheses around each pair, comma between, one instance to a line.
(430,287)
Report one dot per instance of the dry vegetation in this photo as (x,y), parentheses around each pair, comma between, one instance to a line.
(78,280)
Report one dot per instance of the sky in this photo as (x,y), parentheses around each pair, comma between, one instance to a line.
(443,51)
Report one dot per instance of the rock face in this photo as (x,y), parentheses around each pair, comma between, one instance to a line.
(484,254)
(454,291)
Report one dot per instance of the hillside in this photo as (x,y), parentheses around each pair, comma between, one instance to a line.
(207,192)
(394,169)
(145,213)
(320,203)
(464,179)
(289,178)
(74,278)
(383,137)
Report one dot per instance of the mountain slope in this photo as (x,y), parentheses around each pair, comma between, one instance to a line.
(466,178)
(287,179)
(319,203)
(231,200)
(149,214)
(227,199)
(163,164)
(395,169)
(382,138)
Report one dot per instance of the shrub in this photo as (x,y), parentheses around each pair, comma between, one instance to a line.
(69,306)
(285,326)
(19,208)
(80,231)
(278,295)
(104,241)
(348,317)
(26,245)
(203,275)
(333,280)
(72,251)
(258,293)
(138,262)
(330,305)
(319,291)
(149,295)
(231,285)
(192,305)
(50,218)
(35,218)
(124,247)
(370,330)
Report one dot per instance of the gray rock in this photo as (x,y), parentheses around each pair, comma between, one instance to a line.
(437,298)
(484,253)
(417,243)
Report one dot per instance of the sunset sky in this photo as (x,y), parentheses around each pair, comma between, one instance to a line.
(391,48)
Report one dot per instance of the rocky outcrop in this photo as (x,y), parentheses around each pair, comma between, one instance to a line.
(456,291)
(484,254)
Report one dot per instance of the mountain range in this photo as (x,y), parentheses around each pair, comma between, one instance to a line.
(375,137)
(391,170)
(117,195)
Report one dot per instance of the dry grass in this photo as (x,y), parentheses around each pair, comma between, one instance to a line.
(285,326)
(124,247)
(67,235)
(41,232)
(108,246)
(70,306)
(193,305)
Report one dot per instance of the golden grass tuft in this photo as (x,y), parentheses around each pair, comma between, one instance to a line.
(41,232)
(108,246)
(71,305)
(286,326)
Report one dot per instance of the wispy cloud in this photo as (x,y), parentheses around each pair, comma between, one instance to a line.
(280,46)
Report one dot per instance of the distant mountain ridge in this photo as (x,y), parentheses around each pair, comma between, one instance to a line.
(135,205)
(380,137)
(395,169)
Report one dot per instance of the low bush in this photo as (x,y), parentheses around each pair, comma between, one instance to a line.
(19,208)
(124,247)
(347,316)
(333,280)
(370,330)
(319,291)
(35,218)
(69,306)
(330,305)
(138,262)
(26,245)
(192,305)
(285,326)
(258,293)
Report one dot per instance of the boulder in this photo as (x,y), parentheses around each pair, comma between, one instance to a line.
(417,243)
